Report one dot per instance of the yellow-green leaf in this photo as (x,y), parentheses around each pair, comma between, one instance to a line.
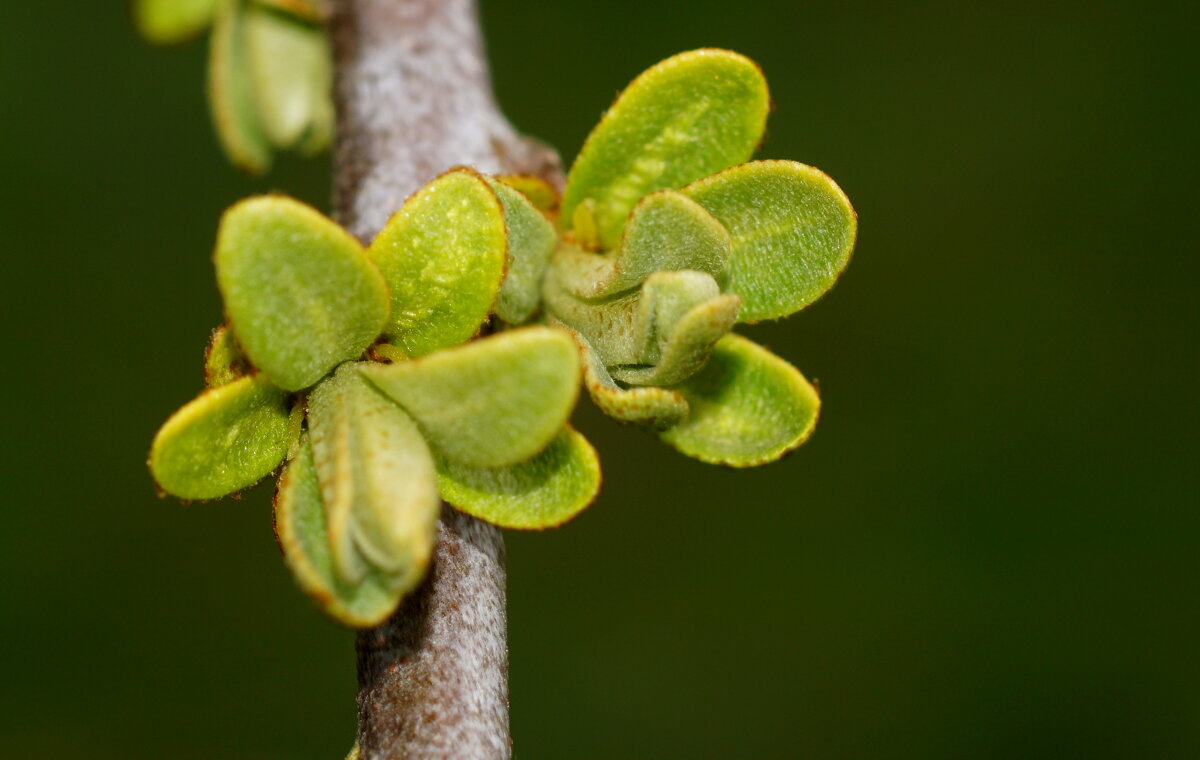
(302,10)
(793,231)
(224,361)
(226,439)
(492,402)
(165,22)
(376,478)
(656,408)
(443,255)
(539,192)
(684,118)
(542,492)
(300,526)
(531,240)
(291,73)
(748,407)
(231,91)
(299,290)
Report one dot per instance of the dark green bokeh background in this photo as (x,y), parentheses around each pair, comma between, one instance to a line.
(989,549)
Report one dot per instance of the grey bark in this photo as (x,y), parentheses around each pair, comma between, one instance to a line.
(414,99)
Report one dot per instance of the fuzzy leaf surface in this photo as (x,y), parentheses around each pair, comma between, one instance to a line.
(682,119)
(165,22)
(300,526)
(377,480)
(224,361)
(542,492)
(443,255)
(748,407)
(224,440)
(793,231)
(299,290)
(531,240)
(492,402)
(539,192)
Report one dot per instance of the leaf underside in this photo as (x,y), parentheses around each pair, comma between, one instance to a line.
(224,361)
(443,255)
(542,492)
(226,439)
(747,407)
(531,240)
(231,91)
(684,118)
(299,290)
(300,526)
(492,402)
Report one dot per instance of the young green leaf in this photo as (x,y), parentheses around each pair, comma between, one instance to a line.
(531,240)
(539,192)
(443,255)
(667,298)
(292,77)
(224,440)
(793,231)
(656,408)
(300,527)
(667,231)
(492,402)
(165,22)
(231,91)
(299,290)
(542,492)
(301,10)
(224,361)
(377,480)
(748,407)
(612,326)
(684,118)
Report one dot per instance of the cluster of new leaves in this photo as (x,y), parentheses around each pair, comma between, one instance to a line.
(269,71)
(669,240)
(371,446)
(356,368)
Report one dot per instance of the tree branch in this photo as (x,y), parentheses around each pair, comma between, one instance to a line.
(414,99)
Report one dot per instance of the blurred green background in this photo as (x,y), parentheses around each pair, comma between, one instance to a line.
(989,549)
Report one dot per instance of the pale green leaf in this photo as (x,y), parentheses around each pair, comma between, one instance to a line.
(657,408)
(667,231)
(301,528)
(748,407)
(542,492)
(376,478)
(299,290)
(292,77)
(231,91)
(539,192)
(224,361)
(443,255)
(531,240)
(689,342)
(612,326)
(226,439)
(165,22)
(793,232)
(684,118)
(492,402)
(667,298)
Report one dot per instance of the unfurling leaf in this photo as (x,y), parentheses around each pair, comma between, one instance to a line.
(793,231)
(231,91)
(376,478)
(165,22)
(492,402)
(539,192)
(531,240)
(443,255)
(747,407)
(299,290)
(682,119)
(541,492)
(291,73)
(300,526)
(224,361)
(656,408)
(223,441)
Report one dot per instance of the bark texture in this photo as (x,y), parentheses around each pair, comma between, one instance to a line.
(414,99)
